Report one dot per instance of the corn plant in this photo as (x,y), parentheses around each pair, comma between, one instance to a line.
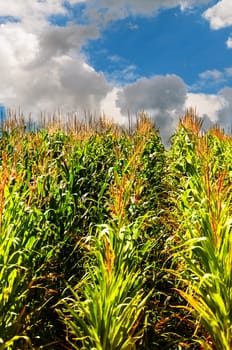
(90,217)
(27,243)
(19,243)
(105,308)
(205,238)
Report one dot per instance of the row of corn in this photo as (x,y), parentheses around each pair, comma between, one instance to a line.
(107,241)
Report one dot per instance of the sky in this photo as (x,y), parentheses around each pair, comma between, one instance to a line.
(118,57)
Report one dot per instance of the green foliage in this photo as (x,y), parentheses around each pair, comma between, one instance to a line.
(23,235)
(110,242)
(106,306)
(204,236)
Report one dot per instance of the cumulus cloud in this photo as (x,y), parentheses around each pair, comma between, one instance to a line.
(36,76)
(162,92)
(163,97)
(33,14)
(58,41)
(110,109)
(219,15)
(42,66)
(104,11)
(191,3)
(213,108)
(207,106)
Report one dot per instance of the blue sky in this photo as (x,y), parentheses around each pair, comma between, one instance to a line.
(115,56)
(171,42)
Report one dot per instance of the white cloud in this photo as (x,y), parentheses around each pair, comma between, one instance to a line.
(211,74)
(163,97)
(42,66)
(18,46)
(219,15)
(103,11)
(57,41)
(212,79)
(123,73)
(229,43)
(111,110)
(185,4)
(63,82)
(214,108)
(33,14)
(206,104)
(74,2)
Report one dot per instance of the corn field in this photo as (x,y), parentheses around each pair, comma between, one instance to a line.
(110,242)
